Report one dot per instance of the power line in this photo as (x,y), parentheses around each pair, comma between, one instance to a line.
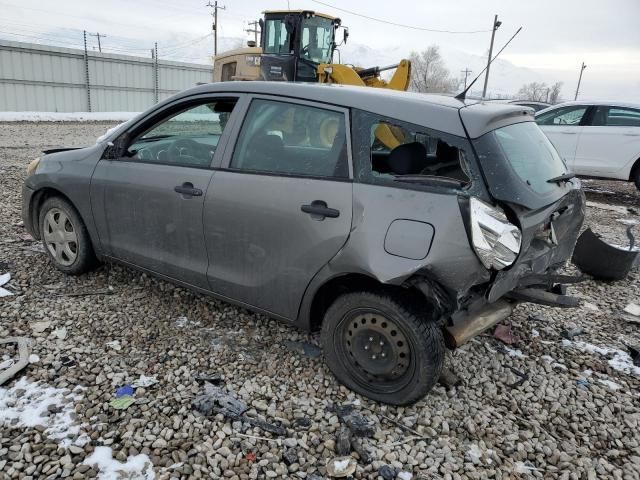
(412,27)
(98,34)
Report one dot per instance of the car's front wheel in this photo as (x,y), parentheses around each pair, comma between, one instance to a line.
(65,237)
(382,346)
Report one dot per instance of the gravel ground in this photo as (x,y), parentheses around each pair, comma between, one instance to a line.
(575,415)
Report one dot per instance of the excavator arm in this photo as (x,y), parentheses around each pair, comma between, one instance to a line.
(366,77)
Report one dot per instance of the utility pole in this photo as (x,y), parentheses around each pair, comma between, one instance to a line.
(580,80)
(466,72)
(214,25)
(496,25)
(254,30)
(98,34)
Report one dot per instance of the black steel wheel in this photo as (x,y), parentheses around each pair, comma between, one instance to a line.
(382,346)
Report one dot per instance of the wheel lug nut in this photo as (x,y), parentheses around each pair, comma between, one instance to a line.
(371,339)
(381,343)
(373,357)
(383,355)
(366,347)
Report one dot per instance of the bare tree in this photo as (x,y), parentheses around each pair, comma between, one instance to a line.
(429,73)
(540,92)
(554,93)
(534,91)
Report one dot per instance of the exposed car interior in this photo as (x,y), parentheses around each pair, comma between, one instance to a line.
(416,154)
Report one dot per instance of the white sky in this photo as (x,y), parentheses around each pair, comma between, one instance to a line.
(556,37)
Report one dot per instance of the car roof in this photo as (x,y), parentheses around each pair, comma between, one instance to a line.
(438,112)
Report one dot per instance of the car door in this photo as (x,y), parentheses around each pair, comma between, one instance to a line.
(610,143)
(563,128)
(148,200)
(280,208)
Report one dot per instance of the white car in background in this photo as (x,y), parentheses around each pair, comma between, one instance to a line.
(596,139)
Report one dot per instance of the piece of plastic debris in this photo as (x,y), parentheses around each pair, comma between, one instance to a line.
(216,400)
(582,383)
(601,260)
(304,348)
(213,378)
(4,279)
(115,344)
(39,327)
(144,381)
(250,456)
(24,350)
(405,476)
(633,309)
(387,472)
(33,358)
(343,442)
(122,403)
(591,306)
(504,334)
(124,390)
(571,333)
(61,333)
(448,379)
(359,425)
(341,467)
(67,361)
(634,352)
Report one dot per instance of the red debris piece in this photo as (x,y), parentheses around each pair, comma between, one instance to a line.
(250,456)
(504,334)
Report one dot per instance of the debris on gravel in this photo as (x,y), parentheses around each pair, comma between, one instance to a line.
(56,420)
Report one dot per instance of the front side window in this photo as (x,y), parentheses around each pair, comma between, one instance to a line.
(292,139)
(276,36)
(616,117)
(563,116)
(316,39)
(188,137)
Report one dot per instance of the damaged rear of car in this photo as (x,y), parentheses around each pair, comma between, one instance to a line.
(472,222)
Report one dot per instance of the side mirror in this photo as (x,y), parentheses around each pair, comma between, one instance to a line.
(116,148)
(345,36)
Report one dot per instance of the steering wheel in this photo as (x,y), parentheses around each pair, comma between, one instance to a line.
(305,50)
(184,149)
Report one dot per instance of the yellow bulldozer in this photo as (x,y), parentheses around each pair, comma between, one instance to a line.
(299,46)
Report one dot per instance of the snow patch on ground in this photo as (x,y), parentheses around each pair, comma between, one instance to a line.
(137,467)
(514,352)
(618,360)
(66,116)
(610,384)
(28,404)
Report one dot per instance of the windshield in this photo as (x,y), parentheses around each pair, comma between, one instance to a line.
(316,39)
(276,36)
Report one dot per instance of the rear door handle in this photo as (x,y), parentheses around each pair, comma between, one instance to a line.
(569,133)
(319,209)
(187,189)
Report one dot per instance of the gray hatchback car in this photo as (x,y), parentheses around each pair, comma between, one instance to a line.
(397,223)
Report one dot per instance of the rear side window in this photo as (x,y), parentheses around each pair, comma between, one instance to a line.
(616,117)
(397,151)
(292,139)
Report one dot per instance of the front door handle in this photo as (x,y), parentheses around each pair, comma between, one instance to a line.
(319,210)
(188,190)
(569,133)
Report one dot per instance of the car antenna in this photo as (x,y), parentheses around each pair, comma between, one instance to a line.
(462,95)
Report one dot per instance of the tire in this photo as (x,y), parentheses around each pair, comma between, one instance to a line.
(383,346)
(65,237)
(636,178)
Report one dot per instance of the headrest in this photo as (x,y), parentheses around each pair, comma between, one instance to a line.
(407,158)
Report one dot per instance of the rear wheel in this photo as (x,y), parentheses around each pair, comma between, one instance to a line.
(636,178)
(65,237)
(382,346)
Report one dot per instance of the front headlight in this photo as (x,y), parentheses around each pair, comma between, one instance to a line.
(31,168)
(496,241)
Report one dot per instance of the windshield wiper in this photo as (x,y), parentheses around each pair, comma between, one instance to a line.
(565,177)
(157,137)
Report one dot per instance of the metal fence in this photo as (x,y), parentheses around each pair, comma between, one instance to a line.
(53,79)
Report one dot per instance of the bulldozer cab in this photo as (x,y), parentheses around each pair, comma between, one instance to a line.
(295,42)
